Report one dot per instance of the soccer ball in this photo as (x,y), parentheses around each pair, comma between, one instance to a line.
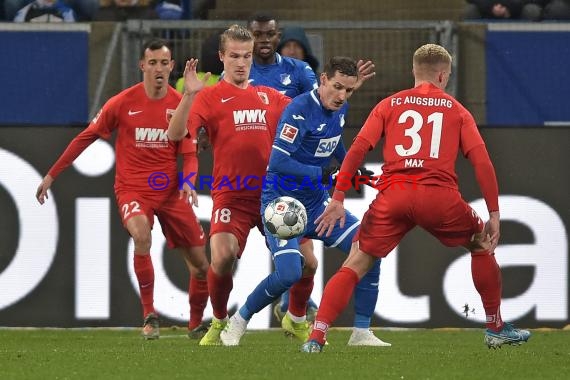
(285,217)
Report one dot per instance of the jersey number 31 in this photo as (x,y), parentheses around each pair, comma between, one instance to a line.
(436,119)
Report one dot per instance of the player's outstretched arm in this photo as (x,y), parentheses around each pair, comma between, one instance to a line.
(192,85)
(365,72)
(73,150)
(41,192)
(326,221)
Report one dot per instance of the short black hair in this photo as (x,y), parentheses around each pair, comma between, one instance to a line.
(344,65)
(260,17)
(155,44)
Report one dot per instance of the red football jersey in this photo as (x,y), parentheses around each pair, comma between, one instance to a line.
(241,125)
(142,147)
(423,128)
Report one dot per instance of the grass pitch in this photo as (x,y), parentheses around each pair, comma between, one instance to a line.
(415,354)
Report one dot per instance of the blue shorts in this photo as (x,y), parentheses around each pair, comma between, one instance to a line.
(340,237)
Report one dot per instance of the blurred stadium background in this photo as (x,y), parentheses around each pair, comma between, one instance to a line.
(73,252)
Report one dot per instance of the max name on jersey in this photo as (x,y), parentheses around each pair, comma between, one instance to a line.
(246,120)
(325,147)
(151,138)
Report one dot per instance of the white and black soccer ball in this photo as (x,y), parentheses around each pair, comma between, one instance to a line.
(285,217)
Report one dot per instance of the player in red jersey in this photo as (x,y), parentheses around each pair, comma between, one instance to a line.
(240,121)
(423,128)
(140,114)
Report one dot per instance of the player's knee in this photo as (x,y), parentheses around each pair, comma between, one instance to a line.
(223,261)
(288,275)
(199,270)
(142,240)
(310,262)
(310,266)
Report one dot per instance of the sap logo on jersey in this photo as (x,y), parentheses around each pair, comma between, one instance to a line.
(151,137)
(288,133)
(327,146)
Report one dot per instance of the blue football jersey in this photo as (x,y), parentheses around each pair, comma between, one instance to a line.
(289,76)
(308,138)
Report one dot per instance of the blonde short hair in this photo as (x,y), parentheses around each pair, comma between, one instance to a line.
(432,55)
(234,33)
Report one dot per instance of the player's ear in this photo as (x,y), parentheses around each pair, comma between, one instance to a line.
(141,65)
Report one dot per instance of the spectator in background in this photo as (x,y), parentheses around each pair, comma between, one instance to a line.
(169,9)
(84,10)
(556,10)
(46,11)
(294,43)
(529,10)
(121,10)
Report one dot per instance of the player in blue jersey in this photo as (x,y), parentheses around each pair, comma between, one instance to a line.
(291,77)
(308,138)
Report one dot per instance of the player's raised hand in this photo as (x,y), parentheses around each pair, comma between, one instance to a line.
(326,221)
(41,192)
(193,84)
(365,72)
(189,195)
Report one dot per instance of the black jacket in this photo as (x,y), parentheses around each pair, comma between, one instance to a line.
(298,34)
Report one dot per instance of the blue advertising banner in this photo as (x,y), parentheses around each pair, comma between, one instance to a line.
(527,74)
(45,74)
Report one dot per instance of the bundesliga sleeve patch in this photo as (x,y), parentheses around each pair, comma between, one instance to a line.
(288,133)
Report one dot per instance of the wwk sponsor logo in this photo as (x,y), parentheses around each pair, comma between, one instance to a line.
(151,138)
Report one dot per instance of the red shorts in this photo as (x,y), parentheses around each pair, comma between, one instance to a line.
(440,211)
(179,224)
(236,216)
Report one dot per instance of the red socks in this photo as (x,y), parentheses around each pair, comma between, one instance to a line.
(336,296)
(299,295)
(487,280)
(198,298)
(145,276)
(219,288)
